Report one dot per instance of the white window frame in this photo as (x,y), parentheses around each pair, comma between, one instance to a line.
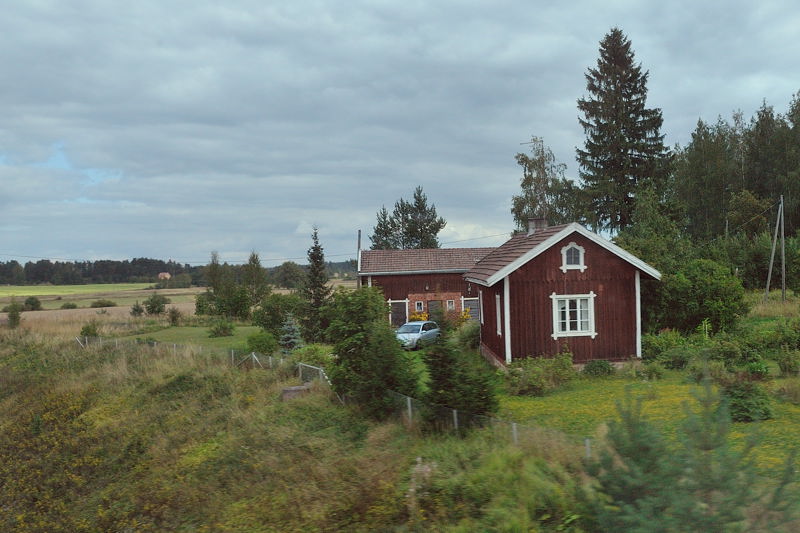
(558,325)
(451,305)
(419,307)
(581,258)
(498,315)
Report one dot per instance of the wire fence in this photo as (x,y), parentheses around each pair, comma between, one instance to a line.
(414,414)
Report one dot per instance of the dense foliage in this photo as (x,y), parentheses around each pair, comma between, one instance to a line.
(369,360)
(412,224)
(624,149)
(315,292)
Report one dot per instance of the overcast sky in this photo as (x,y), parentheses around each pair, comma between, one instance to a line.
(171,129)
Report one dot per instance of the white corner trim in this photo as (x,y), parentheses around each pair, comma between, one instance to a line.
(507,317)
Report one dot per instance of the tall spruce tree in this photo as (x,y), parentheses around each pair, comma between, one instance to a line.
(624,149)
(315,292)
(412,225)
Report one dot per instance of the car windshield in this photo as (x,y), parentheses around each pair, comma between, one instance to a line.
(409,328)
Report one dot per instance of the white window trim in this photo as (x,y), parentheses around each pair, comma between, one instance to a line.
(582,254)
(419,307)
(450,305)
(591,332)
(498,315)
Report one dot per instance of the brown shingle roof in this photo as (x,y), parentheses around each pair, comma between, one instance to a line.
(429,260)
(509,251)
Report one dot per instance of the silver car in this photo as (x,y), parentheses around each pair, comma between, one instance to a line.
(414,334)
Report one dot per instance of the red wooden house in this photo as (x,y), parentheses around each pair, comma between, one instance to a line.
(422,281)
(560,285)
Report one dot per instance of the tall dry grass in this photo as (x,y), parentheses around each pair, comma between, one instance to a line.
(773,305)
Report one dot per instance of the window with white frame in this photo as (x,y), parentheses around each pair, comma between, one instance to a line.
(451,305)
(497,314)
(419,307)
(573,315)
(572,257)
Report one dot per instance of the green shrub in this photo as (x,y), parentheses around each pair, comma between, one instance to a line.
(700,369)
(90,329)
(204,304)
(222,328)
(787,334)
(14,310)
(137,310)
(756,370)
(156,304)
(652,371)
(69,305)
(468,335)
(703,290)
(654,345)
(102,303)
(789,390)
(174,315)
(320,355)
(748,401)
(262,342)
(536,376)
(727,351)
(788,361)
(598,367)
(677,358)
(457,382)
(32,303)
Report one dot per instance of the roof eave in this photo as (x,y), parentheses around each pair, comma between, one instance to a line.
(407,272)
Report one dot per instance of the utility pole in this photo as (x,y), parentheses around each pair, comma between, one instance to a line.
(778,224)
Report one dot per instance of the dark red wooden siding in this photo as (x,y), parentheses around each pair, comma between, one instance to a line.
(399,286)
(489,336)
(608,276)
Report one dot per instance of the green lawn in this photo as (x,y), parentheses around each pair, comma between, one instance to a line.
(198,336)
(584,406)
(68,290)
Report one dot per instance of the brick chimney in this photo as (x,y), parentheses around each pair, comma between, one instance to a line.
(536,224)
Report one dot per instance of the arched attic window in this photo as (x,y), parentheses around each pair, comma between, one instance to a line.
(573,257)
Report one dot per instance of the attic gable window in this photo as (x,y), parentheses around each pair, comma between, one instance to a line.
(573,315)
(572,258)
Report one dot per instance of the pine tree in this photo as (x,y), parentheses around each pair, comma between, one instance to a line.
(624,149)
(315,292)
(412,225)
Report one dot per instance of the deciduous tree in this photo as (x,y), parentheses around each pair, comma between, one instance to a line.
(546,193)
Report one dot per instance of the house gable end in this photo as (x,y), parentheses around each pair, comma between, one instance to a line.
(553,240)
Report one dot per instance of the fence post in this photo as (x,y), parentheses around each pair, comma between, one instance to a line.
(408,406)
(514,433)
(455,419)
(588,445)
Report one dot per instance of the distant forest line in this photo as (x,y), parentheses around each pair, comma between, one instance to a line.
(144,270)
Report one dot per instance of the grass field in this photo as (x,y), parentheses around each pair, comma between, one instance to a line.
(199,336)
(7,291)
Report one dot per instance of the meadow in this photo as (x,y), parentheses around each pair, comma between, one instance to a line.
(174,438)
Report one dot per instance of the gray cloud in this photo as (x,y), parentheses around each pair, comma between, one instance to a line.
(170,130)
